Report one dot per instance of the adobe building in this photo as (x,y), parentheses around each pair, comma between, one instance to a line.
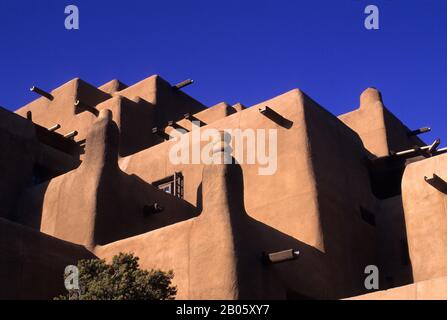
(85,172)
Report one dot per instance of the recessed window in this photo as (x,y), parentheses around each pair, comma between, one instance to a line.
(167,187)
(172,185)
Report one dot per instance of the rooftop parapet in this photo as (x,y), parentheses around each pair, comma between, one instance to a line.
(75,105)
(113,86)
(381,132)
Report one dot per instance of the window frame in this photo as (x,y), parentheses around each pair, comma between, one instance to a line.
(175,183)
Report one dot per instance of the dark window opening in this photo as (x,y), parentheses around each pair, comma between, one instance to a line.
(172,185)
(368,216)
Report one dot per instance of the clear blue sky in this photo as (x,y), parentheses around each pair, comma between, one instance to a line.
(237,50)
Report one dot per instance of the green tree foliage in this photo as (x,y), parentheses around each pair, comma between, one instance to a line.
(121,280)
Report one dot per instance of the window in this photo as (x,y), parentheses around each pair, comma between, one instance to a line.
(167,187)
(172,185)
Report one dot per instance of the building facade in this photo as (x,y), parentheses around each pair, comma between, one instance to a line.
(88,172)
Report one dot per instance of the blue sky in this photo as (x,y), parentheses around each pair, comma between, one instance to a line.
(237,51)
